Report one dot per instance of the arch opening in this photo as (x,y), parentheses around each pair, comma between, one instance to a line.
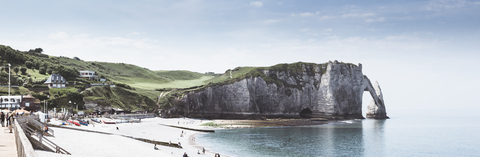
(306,113)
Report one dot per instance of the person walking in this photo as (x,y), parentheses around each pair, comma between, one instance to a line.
(7,119)
(2,119)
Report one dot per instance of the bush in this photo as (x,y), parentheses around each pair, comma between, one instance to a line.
(42,70)
(36,65)
(23,70)
(123,85)
(81,87)
(28,86)
(39,86)
(29,64)
(49,70)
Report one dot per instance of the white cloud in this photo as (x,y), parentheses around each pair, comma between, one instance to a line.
(357,15)
(437,5)
(304,30)
(380,19)
(58,35)
(271,21)
(256,4)
(280,3)
(306,14)
(326,17)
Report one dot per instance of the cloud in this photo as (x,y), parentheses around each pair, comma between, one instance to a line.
(437,5)
(380,19)
(58,35)
(306,14)
(271,21)
(280,3)
(357,15)
(326,17)
(256,4)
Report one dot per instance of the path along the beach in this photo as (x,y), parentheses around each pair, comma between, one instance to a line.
(8,147)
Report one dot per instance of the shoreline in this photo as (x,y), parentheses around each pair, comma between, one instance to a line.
(163,130)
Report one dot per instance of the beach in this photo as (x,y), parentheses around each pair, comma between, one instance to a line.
(135,139)
(106,140)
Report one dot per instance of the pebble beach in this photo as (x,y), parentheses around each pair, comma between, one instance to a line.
(106,140)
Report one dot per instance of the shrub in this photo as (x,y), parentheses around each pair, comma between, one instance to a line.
(39,86)
(42,70)
(81,87)
(29,64)
(23,70)
(49,70)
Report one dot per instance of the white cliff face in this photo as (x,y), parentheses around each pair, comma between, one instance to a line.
(376,108)
(337,93)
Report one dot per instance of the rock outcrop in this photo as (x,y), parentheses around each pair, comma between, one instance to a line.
(376,108)
(330,90)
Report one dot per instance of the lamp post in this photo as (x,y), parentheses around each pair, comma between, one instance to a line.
(45,103)
(9,65)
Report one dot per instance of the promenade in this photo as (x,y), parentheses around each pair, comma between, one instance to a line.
(8,148)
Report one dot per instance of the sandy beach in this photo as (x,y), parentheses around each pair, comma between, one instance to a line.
(83,143)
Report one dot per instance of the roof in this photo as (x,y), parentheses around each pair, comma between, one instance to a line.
(29,96)
(56,78)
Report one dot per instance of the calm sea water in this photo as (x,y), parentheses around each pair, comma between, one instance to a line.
(409,134)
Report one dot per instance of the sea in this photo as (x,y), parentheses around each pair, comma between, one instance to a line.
(407,133)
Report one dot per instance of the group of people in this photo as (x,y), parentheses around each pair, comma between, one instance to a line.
(7,119)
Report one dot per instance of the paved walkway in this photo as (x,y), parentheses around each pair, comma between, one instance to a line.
(8,148)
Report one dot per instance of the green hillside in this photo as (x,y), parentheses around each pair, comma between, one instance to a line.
(135,85)
(120,98)
(179,74)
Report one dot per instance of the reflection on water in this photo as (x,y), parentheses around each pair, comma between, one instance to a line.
(349,138)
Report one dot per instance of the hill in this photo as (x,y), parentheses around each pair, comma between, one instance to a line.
(29,69)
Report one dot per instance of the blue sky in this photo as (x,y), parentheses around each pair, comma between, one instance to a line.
(428,49)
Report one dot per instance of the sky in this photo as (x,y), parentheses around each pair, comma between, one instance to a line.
(424,54)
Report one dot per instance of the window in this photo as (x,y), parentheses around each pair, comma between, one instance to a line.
(27,104)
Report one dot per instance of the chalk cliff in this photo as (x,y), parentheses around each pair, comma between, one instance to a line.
(376,108)
(330,90)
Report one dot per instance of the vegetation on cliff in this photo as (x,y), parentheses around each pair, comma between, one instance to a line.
(135,85)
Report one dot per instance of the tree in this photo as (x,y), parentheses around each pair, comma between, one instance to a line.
(23,70)
(37,64)
(42,70)
(29,64)
(67,72)
(16,69)
(39,50)
(49,70)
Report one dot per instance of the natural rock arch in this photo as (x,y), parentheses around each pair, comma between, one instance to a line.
(376,108)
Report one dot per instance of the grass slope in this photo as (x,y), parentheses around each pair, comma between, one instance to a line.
(121,98)
(179,75)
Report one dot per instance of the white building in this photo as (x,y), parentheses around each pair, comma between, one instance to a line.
(56,81)
(88,75)
(10,102)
